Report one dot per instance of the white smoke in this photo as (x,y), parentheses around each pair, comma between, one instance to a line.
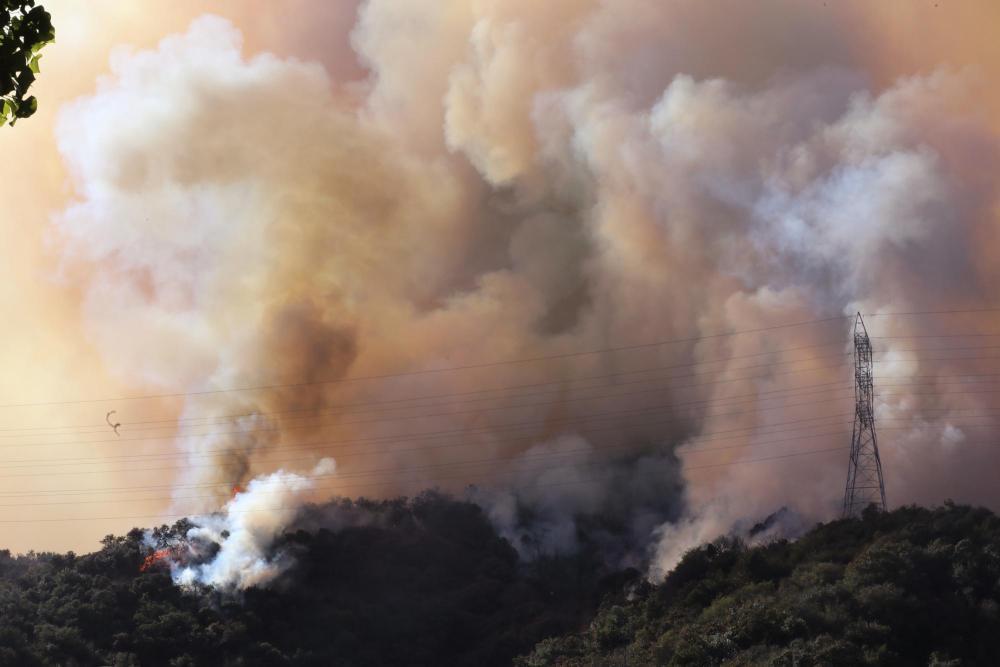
(528,179)
(246,529)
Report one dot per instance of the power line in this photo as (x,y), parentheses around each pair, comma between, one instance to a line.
(326,446)
(423,482)
(331,444)
(148,487)
(531,385)
(492,364)
(965,311)
(755,396)
(688,449)
(285,460)
(273,429)
(516,425)
(685,451)
(563,382)
(447,369)
(961,335)
(712,402)
(330,411)
(518,457)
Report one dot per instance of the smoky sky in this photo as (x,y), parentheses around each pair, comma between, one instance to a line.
(517,180)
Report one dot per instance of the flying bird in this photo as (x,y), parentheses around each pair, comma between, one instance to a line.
(114,426)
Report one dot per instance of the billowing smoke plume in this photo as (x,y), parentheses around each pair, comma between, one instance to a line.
(245,530)
(527,181)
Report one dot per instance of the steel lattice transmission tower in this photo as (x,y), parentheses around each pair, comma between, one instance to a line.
(864,470)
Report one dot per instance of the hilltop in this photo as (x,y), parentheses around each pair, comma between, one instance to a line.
(428,581)
(420,581)
(910,587)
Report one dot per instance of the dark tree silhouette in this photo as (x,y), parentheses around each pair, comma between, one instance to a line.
(420,581)
(24,29)
(910,587)
(428,581)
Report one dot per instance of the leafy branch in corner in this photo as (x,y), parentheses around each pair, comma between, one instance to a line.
(24,30)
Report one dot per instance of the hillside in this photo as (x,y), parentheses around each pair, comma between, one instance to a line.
(911,587)
(427,581)
(424,581)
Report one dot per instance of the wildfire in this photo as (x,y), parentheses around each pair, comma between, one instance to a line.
(237,490)
(152,559)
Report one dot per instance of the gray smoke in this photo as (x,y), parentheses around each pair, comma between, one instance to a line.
(525,180)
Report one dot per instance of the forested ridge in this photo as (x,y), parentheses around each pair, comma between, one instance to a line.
(423,581)
(427,581)
(911,587)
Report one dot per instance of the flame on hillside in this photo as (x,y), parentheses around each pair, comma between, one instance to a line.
(157,557)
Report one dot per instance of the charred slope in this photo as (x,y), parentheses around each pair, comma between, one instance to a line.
(420,582)
(911,587)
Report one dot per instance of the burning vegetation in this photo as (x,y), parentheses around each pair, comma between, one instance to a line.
(420,581)
(429,581)
(158,557)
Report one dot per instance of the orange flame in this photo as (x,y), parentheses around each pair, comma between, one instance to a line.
(152,559)
(237,490)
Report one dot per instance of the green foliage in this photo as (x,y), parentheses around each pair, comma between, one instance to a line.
(911,587)
(425,581)
(24,30)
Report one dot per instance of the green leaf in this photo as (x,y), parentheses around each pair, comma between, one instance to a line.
(41,44)
(27,107)
(25,29)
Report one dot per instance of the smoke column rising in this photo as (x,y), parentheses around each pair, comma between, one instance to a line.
(523,181)
(246,529)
